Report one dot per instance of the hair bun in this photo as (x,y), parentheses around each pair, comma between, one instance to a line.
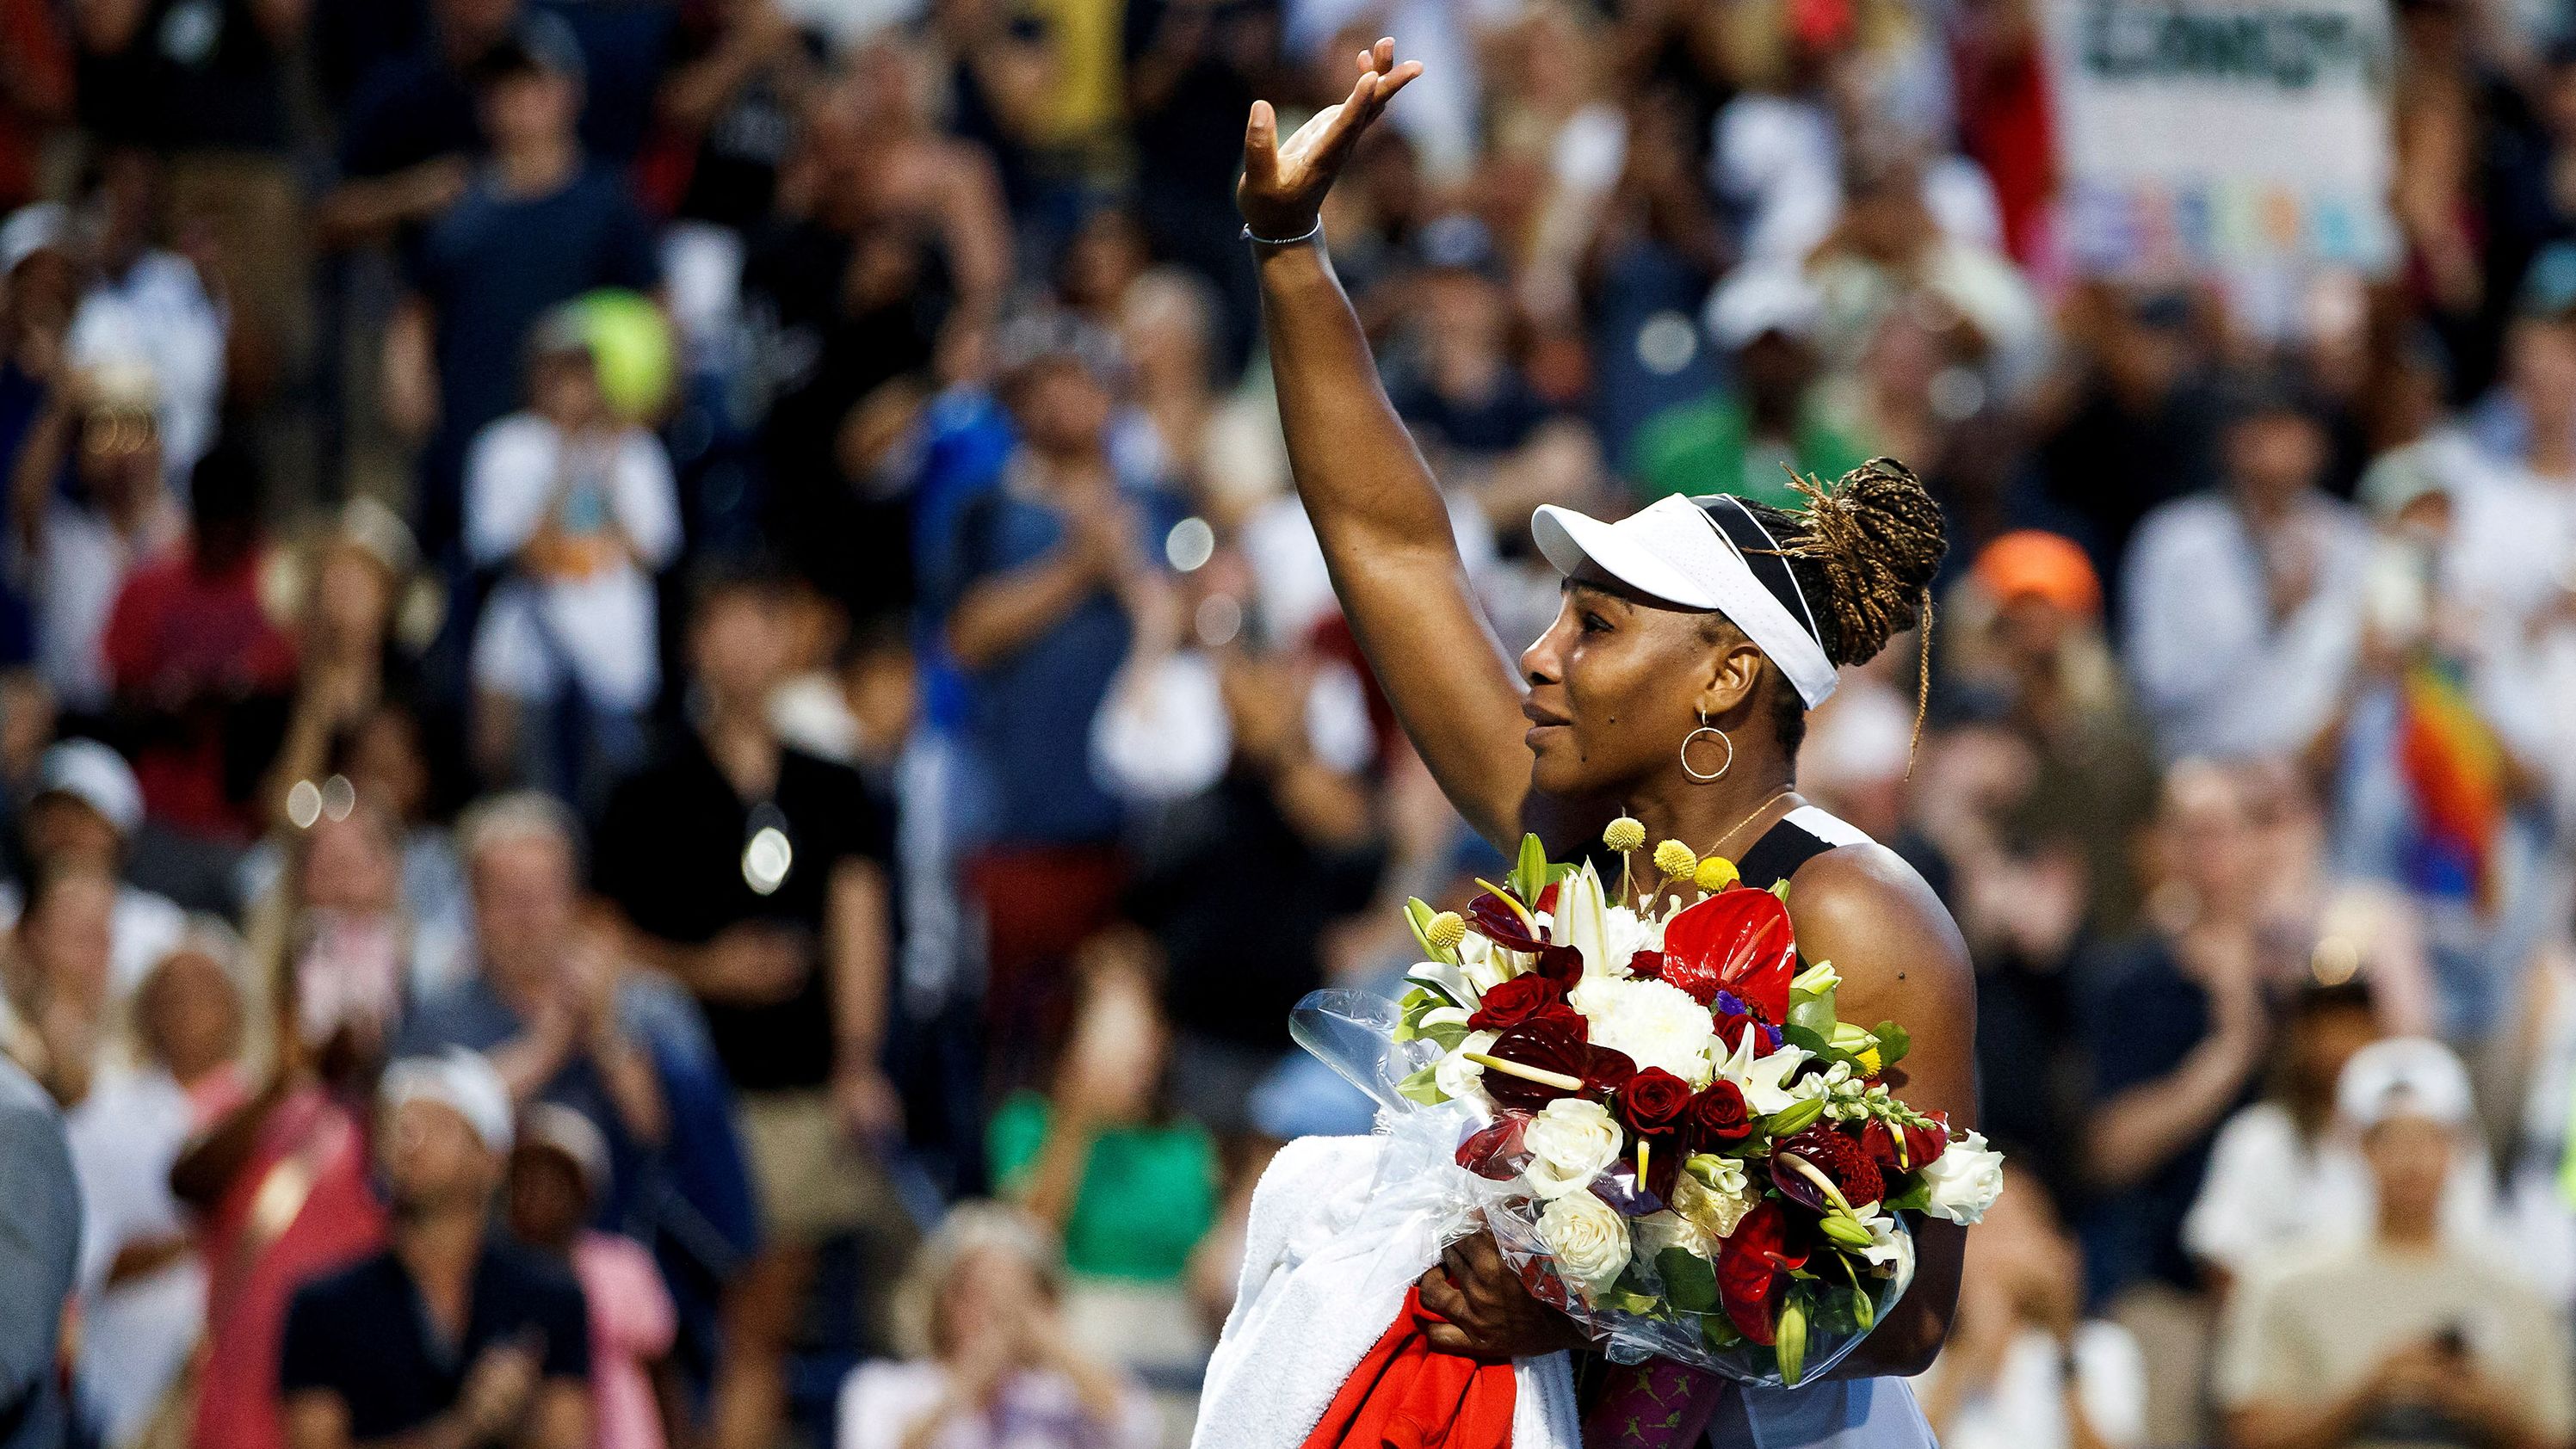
(1878,537)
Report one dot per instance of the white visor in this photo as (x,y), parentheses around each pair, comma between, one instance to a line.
(1674,549)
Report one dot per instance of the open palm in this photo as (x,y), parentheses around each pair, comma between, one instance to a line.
(1283,185)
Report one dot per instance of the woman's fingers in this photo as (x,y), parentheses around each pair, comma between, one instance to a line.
(1261,142)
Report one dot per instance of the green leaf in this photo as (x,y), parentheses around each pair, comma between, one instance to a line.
(1719,1331)
(1893,1043)
(1795,1116)
(1812,1040)
(1690,1280)
(1448,1034)
(1419,1002)
(1915,1198)
(1422,1087)
(1815,1013)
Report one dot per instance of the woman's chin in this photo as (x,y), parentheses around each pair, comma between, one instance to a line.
(1557,767)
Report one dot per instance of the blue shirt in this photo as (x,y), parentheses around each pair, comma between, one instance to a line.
(39,1252)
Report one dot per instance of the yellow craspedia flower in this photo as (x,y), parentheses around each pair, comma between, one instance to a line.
(1867,1060)
(1675,860)
(1445,930)
(1624,834)
(1715,874)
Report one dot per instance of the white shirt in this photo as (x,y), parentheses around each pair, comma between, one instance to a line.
(601,625)
(2212,670)
(137,1336)
(142,928)
(2025,1406)
(79,569)
(160,311)
(881,1401)
(2268,1190)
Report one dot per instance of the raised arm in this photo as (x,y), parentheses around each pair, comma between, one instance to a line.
(1379,515)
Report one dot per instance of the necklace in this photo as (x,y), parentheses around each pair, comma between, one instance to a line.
(1774,798)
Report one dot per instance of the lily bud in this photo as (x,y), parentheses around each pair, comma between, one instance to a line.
(1844,1231)
(1796,1115)
(1790,1339)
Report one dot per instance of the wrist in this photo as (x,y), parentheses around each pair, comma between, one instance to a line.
(1284,232)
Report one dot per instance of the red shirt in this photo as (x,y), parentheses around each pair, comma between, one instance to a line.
(189,645)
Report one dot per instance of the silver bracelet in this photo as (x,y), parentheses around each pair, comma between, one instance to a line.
(1310,234)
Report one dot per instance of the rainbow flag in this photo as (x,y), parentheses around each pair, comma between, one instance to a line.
(2454,767)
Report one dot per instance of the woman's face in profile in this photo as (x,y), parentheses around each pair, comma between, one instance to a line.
(1612,690)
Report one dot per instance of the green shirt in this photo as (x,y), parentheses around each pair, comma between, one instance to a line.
(1148,1192)
(1706,446)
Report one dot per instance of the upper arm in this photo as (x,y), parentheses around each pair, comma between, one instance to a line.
(316,1419)
(560,1418)
(648,504)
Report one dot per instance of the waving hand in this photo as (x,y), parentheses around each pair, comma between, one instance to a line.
(1284,182)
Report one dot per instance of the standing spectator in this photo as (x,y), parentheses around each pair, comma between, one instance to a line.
(537,226)
(2243,606)
(201,673)
(756,874)
(85,812)
(1773,417)
(575,511)
(410,136)
(557,1170)
(2137,431)
(2403,1337)
(988,1362)
(145,302)
(143,1285)
(2023,1368)
(39,1258)
(451,1333)
(1033,583)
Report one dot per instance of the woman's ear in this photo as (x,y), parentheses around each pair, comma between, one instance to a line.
(1735,671)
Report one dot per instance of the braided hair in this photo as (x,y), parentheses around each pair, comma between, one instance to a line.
(1864,550)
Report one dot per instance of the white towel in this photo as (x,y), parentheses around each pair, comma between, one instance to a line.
(1340,1227)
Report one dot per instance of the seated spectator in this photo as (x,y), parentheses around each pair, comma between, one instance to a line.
(2023,1367)
(557,1170)
(39,1261)
(1743,439)
(2243,605)
(548,1002)
(143,1286)
(89,504)
(201,673)
(452,1333)
(574,511)
(2285,1175)
(54,982)
(85,812)
(1105,1162)
(1452,372)
(2403,1337)
(990,1362)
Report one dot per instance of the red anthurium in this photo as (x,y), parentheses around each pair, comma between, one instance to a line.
(1753,1267)
(1608,1070)
(1737,941)
(1923,1145)
(1496,1152)
(1551,1040)
(1496,921)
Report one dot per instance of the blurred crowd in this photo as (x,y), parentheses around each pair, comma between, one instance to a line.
(670,746)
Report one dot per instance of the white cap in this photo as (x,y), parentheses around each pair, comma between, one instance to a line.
(1694,552)
(97,777)
(554,1125)
(459,1080)
(38,226)
(2407,1076)
(1764,298)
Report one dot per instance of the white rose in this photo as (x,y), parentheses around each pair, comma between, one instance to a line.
(1588,1239)
(1964,1180)
(1459,1079)
(1657,1024)
(1571,1142)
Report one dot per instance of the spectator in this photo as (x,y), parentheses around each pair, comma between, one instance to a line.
(1773,417)
(575,513)
(1105,1161)
(2402,1337)
(537,227)
(145,302)
(200,672)
(451,1331)
(39,1260)
(2137,431)
(85,812)
(557,1170)
(2243,606)
(756,875)
(410,136)
(2023,1368)
(988,1361)
(143,1285)
(55,973)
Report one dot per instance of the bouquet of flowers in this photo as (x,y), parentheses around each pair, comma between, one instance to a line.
(1686,1149)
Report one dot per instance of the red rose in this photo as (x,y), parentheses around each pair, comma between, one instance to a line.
(1653,1102)
(1753,1267)
(1738,941)
(1833,1153)
(1923,1145)
(1515,1001)
(1647,965)
(1550,1039)
(1717,1117)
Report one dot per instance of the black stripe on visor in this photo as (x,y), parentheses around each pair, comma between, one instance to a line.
(1762,554)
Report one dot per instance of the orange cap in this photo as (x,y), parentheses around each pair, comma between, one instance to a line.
(2031,563)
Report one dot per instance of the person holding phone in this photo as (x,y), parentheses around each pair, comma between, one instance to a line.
(453,1337)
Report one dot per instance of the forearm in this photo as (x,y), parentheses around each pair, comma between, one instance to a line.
(634,1090)
(1000,615)
(1054,1180)
(2329,1425)
(2138,1130)
(861,962)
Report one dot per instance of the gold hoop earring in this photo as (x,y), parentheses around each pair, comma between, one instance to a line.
(1705,728)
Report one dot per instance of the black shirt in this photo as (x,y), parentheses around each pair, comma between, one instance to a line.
(364,1334)
(672,854)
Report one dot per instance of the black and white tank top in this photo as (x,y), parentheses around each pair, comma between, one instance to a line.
(1799,836)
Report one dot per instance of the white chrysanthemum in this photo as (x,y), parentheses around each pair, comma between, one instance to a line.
(1763,1079)
(1626,935)
(1656,1024)
(1571,1141)
(1460,1079)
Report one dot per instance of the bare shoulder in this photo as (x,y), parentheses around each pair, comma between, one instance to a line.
(1901,958)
